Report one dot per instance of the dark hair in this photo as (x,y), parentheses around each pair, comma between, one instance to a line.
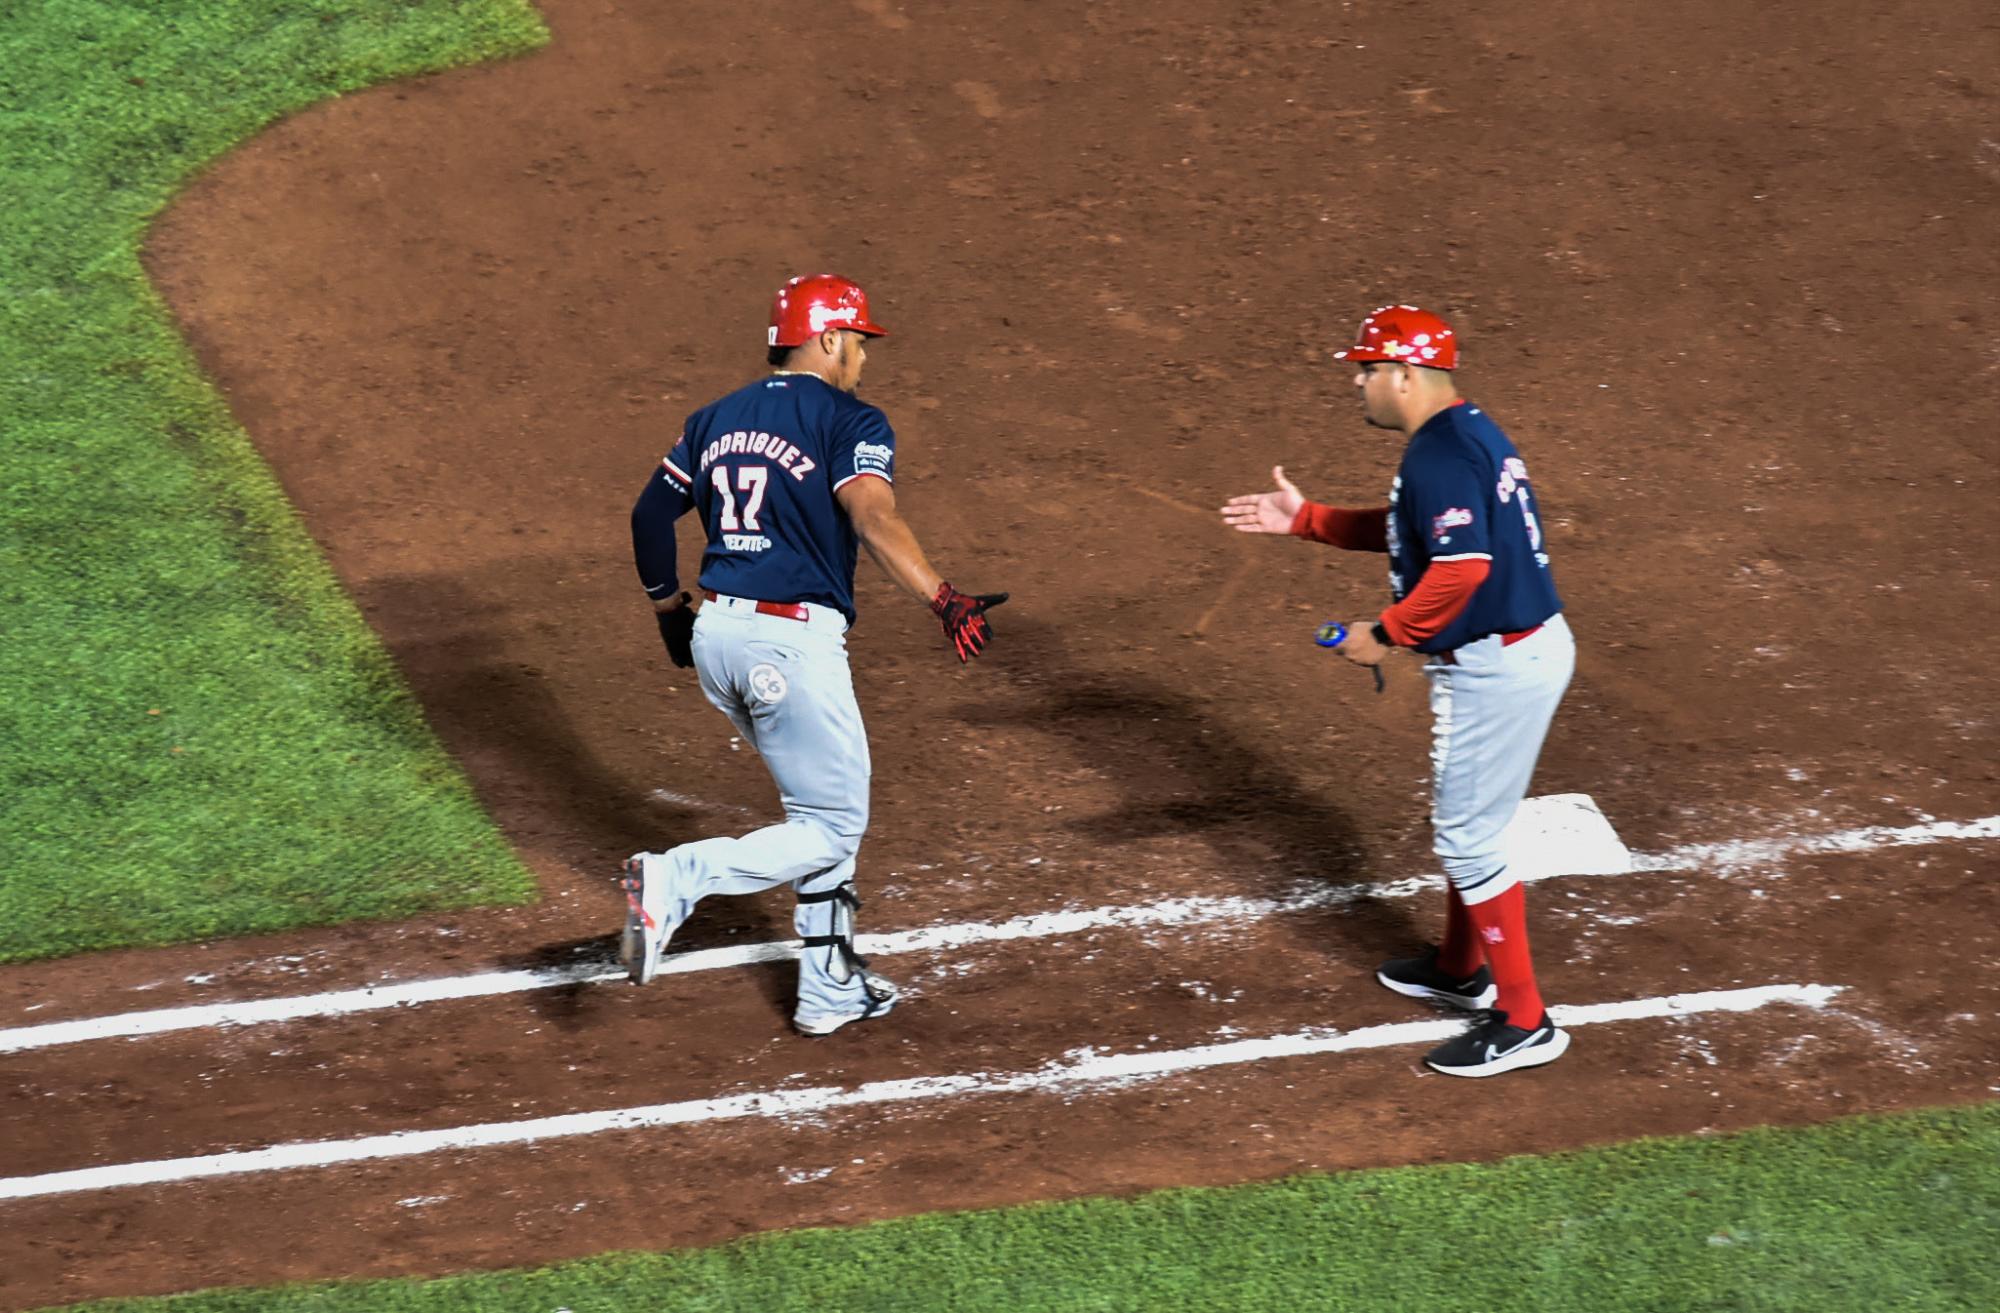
(777,356)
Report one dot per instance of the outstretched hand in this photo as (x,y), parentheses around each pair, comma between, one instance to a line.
(1265,512)
(963,616)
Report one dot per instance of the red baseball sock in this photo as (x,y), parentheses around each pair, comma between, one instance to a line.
(1503,929)
(1460,954)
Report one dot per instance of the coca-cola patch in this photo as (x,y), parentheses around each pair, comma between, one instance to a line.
(1455,518)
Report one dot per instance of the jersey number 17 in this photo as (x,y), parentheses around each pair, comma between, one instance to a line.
(750,480)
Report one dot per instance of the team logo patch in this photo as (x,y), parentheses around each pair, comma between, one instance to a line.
(767,683)
(1418,348)
(1455,518)
(820,316)
(873,457)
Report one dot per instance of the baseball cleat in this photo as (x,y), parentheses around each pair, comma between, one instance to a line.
(1419,977)
(1492,1046)
(879,996)
(648,924)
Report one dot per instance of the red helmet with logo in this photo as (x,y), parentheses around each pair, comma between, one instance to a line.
(808,306)
(1405,335)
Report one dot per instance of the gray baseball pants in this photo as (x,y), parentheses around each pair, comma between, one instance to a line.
(1491,707)
(786,686)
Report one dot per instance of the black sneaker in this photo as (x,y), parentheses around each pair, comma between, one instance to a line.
(1419,977)
(1492,1046)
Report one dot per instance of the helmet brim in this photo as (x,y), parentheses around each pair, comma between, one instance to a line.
(1369,356)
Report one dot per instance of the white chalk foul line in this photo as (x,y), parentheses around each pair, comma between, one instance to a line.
(1748,853)
(1562,833)
(1080,1069)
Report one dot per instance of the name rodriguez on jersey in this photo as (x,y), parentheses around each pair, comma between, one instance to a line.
(768,445)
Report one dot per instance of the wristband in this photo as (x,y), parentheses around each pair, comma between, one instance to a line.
(1380,634)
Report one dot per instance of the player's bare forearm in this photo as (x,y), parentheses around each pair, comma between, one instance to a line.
(871,505)
(894,547)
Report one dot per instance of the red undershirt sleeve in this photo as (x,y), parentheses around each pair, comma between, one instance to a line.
(1356,530)
(1445,590)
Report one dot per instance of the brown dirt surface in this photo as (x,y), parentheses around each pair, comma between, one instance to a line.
(1725,272)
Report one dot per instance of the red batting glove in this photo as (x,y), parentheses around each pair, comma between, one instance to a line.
(963,616)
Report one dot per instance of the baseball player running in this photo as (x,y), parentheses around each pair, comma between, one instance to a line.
(1469,573)
(788,474)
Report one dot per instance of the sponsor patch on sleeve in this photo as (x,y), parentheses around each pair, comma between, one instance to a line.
(1442,525)
(878,458)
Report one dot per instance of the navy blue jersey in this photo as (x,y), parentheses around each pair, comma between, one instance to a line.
(761,467)
(1462,492)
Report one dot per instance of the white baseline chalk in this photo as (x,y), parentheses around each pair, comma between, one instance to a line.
(1558,835)
(1079,1069)
(1746,854)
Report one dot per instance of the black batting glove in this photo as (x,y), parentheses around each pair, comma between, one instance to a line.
(677,632)
(963,616)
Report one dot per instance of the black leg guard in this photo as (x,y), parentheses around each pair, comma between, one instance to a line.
(846,963)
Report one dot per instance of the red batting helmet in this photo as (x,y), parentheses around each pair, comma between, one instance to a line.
(1405,335)
(808,306)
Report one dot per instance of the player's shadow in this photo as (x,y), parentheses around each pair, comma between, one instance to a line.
(1184,773)
(501,716)
(499,698)
(574,1003)
(471,662)
(567,1004)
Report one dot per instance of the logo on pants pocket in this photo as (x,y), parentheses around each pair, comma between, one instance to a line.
(767,683)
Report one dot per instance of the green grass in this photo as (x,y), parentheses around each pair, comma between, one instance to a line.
(1865,1215)
(198,734)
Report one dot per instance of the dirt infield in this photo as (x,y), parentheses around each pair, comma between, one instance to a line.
(1725,274)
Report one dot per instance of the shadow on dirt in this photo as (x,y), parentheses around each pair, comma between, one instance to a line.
(565,1004)
(572,1005)
(503,719)
(1185,774)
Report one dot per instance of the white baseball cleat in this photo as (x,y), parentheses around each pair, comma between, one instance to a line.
(878,997)
(648,923)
